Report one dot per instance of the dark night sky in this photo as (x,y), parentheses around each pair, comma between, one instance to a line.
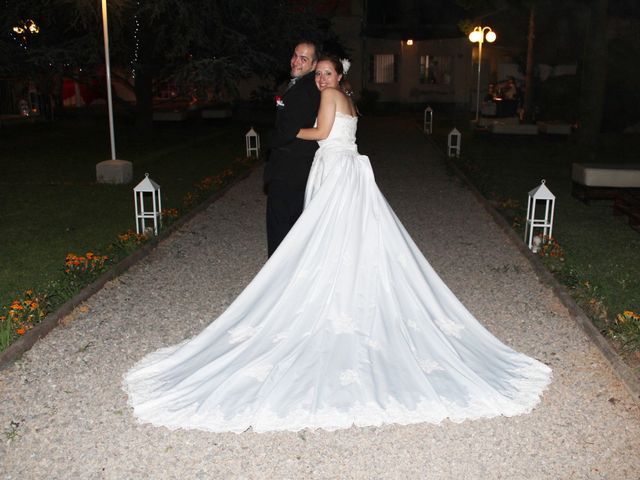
(414,12)
(420,18)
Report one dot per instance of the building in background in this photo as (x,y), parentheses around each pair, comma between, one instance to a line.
(407,52)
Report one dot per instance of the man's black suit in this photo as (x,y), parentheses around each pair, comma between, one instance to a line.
(287,169)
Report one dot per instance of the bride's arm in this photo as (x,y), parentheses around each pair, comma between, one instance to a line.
(326,116)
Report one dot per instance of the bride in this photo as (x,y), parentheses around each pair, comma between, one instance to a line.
(346,324)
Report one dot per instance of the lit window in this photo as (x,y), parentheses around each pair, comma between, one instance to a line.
(383,68)
(436,70)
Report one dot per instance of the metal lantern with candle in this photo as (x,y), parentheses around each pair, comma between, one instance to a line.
(540,209)
(454,142)
(253,143)
(146,196)
(428,120)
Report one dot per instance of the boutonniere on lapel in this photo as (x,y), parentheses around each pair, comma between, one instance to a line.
(279,102)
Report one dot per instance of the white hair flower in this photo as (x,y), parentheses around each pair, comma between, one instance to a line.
(346,65)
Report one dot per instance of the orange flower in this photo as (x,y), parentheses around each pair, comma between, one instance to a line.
(21,331)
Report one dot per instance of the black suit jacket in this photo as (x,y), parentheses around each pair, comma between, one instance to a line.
(290,158)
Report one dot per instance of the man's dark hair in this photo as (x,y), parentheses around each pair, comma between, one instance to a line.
(314,44)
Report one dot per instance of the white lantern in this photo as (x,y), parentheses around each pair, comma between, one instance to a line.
(253,143)
(454,141)
(540,209)
(146,196)
(428,120)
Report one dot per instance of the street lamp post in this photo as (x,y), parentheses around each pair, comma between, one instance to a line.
(114,170)
(478,36)
(105,29)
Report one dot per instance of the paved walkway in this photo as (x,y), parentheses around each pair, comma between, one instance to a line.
(67,417)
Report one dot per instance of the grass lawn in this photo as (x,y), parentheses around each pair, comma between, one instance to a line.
(50,204)
(599,248)
(601,252)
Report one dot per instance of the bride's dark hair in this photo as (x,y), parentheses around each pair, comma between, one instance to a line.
(337,65)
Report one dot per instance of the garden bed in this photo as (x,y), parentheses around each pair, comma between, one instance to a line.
(29,337)
(61,213)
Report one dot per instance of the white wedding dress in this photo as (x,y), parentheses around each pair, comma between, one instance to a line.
(346,324)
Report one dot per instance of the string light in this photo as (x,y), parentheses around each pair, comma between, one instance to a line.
(136,39)
(20,32)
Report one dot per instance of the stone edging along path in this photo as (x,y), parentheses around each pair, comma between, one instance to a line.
(25,342)
(623,372)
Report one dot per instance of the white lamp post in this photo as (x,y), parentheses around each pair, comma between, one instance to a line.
(111,171)
(107,62)
(479,35)
(147,188)
(540,209)
(454,142)
(428,120)
(253,143)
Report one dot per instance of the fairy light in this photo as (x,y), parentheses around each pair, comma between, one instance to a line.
(20,32)
(136,38)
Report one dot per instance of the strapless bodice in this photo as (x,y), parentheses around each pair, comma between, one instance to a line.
(343,132)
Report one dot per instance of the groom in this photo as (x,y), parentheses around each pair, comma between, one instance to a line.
(286,171)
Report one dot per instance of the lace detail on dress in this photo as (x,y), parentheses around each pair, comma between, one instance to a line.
(449,326)
(343,324)
(241,333)
(258,372)
(347,377)
(429,366)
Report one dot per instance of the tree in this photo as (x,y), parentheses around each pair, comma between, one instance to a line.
(201,42)
(38,43)
(593,75)
(579,31)
(555,34)
(529,113)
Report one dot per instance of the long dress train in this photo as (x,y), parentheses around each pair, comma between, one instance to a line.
(346,324)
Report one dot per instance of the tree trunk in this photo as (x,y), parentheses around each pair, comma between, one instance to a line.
(529,114)
(593,75)
(144,75)
(144,100)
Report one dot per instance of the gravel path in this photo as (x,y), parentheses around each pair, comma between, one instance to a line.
(64,415)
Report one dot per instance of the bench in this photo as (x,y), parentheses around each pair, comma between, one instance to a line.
(175,115)
(509,128)
(554,128)
(216,113)
(598,181)
(170,115)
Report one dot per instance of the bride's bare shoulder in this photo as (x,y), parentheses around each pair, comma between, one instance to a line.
(342,102)
(331,92)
